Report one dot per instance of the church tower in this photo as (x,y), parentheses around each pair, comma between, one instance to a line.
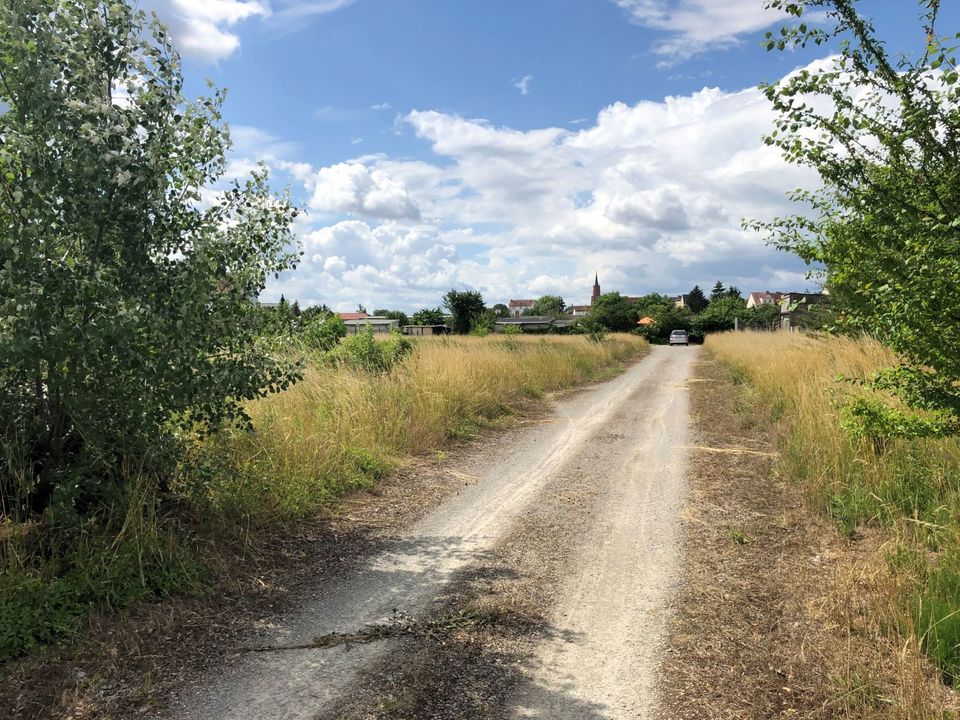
(596,289)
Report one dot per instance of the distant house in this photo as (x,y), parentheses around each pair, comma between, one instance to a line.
(646,320)
(796,310)
(682,300)
(352,316)
(377,325)
(420,330)
(578,310)
(518,306)
(530,323)
(764,298)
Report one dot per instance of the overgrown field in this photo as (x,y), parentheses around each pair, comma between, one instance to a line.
(350,420)
(907,490)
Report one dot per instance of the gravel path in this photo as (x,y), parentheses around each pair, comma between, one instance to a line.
(629,434)
(608,620)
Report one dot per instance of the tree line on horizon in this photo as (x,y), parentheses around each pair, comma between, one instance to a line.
(465,311)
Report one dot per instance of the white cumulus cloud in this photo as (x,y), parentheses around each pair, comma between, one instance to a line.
(207,29)
(354,188)
(696,26)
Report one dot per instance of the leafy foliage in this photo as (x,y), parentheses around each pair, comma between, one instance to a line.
(613,312)
(323,334)
(500,310)
(465,306)
(549,305)
(125,306)
(595,331)
(883,135)
(762,317)
(364,352)
(720,315)
(398,315)
(429,316)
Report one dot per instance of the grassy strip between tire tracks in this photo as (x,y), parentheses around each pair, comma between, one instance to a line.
(338,430)
(904,492)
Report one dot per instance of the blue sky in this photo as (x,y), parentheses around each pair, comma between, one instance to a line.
(510,146)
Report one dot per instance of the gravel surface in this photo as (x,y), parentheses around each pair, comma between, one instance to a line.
(601,482)
(609,616)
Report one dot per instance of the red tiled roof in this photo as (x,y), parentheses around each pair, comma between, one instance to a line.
(352,316)
(521,303)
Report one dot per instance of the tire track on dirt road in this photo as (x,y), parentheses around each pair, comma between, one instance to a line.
(609,616)
(421,561)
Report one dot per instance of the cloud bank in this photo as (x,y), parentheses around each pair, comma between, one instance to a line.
(649,195)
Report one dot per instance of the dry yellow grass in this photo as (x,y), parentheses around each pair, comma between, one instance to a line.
(799,376)
(895,595)
(340,428)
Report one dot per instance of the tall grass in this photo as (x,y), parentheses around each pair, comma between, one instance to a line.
(341,428)
(909,489)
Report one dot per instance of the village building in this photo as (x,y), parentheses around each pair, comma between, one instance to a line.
(420,330)
(797,310)
(756,299)
(518,306)
(377,325)
(534,324)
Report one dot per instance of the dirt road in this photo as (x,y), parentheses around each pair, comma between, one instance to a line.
(624,440)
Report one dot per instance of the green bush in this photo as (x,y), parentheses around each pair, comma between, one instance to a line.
(324,334)
(44,603)
(364,352)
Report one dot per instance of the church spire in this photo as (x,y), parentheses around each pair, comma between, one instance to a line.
(596,289)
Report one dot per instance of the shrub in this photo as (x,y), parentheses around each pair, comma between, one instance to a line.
(323,334)
(364,352)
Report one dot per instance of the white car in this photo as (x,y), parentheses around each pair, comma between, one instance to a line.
(679,337)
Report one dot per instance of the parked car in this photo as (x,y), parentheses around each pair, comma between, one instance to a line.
(679,337)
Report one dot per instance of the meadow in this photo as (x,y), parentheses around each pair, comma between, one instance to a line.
(341,428)
(903,492)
